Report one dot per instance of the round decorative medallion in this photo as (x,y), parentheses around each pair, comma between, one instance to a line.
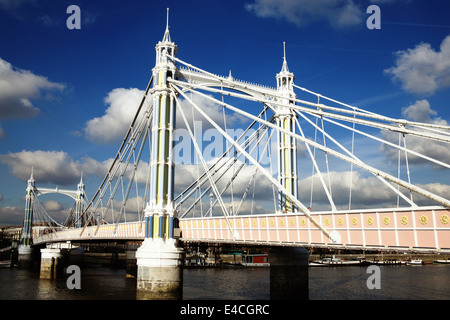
(423,219)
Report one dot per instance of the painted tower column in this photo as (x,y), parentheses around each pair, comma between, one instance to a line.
(25,250)
(79,205)
(159,260)
(287,157)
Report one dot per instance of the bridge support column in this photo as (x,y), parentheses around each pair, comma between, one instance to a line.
(25,251)
(160,270)
(130,260)
(289,273)
(51,263)
(25,256)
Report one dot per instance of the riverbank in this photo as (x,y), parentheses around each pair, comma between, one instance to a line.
(426,258)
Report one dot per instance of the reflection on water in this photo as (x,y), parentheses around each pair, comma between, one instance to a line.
(430,282)
(226,284)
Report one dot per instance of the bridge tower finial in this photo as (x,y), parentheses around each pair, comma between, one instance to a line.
(31,180)
(166,37)
(167,21)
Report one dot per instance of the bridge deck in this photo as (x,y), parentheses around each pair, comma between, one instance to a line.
(403,229)
(423,229)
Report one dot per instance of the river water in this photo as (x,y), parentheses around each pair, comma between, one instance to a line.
(426,282)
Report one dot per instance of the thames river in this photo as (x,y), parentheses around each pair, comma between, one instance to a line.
(426,282)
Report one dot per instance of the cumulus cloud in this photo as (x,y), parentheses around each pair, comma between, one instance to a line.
(367,192)
(420,111)
(51,166)
(337,13)
(423,70)
(122,106)
(10,215)
(213,110)
(17,89)
(52,205)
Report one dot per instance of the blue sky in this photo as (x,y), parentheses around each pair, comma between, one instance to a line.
(55,81)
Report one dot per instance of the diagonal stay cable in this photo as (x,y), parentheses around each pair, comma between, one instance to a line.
(138,111)
(214,187)
(253,161)
(339,155)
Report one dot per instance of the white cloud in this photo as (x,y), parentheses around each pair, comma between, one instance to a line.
(420,111)
(367,192)
(52,205)
(112,126)
(51,166)
(17,89)
(423,70)
(123,104)
(10,215)
(213,110)
(337,13)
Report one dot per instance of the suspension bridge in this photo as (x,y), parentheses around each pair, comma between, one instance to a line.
(262,184)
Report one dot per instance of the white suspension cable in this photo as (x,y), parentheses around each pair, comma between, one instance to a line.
(397,146)
(264,171)
(338,155)
(319,111)
(357,159)
(214,187)
(316,167)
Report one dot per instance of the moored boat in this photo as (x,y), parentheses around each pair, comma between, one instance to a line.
(390,262)
(415,262)
(5,264)
(336,262)
(256,260)
(446,261)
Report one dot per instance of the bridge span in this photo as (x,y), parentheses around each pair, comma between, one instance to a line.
(425,229)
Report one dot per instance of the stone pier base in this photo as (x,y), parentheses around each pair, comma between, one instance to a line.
(159,270)
(289,273)
(130,263)
(25,256)
(51,263)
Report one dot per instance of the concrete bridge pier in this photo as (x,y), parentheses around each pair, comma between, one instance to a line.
(25,256)
(51,263)
(289,273)
(159,270)
(130,259)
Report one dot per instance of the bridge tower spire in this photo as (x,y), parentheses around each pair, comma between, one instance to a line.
(285,119)
(158,259)
(25,249)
